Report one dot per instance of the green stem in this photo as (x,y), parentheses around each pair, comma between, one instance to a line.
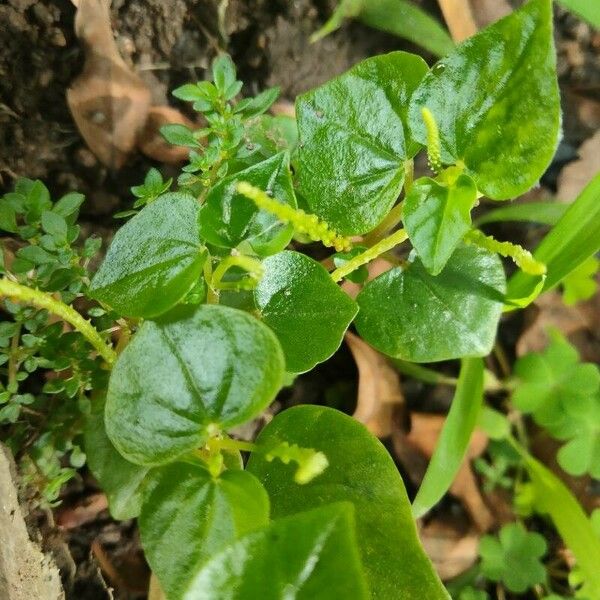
(389,222)
(13,365)
(22,293)
(368,255)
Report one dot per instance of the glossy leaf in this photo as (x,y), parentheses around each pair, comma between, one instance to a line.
(188,516)
(436,217)
(586,9)
(496,102)
(121,480)
(309,313)
(568,244)
(453,442)
(215,367)
(228,218)
(310,556)
(354,141)
(362,472)
(411,315)
(153,260)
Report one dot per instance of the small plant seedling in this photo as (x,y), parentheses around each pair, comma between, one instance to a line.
(211,312)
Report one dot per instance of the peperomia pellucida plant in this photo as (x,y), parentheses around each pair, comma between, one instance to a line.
(210,313)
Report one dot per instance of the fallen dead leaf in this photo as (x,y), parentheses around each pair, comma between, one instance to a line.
(576,175)
(459,18)
(487,12)
(155,592)
(423,436)
(151,142)
(70,517)
(451,549)
(378,387)
(108,101)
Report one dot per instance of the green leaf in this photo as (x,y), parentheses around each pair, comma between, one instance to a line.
(552,497)
(121,480)
(407,20)
(580,284)
(513,557)
(55,225)
(569,243)
(311,556)
(187,374)
(227,218)
(362,472)
(546,213)
(437,216)
(309,313)
(496,102)
(8,219)
(153,260)
(586,9)
(354,141)
(408,314)
(188,516)
(551,383)
(259,104)
(179,135)
(68,206)
(223,71)
(454,439)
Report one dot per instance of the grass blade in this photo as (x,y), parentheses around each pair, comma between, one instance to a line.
(545,213)
(454,439)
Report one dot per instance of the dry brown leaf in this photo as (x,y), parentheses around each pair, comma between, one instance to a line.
(451,549)
(423,436)
(375,267)
(378,387)
(152,143)
(487,12)
(459,18)
(70,517)
(576,175)
(108,101)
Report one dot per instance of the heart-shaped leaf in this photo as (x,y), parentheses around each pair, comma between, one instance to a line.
(122,481)
(188,516)
(309,313)
(437,216)
(310,556)
(213,368)
(411,315)
(153,260)
(228,218)
(362,472)
(496,102)
(354,141)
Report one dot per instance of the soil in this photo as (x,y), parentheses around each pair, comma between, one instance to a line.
(167,44)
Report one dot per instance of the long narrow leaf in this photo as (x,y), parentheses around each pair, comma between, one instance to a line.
(571,241)
(552,497)
(454,439)
(545,213)
(408,21)
(586,9)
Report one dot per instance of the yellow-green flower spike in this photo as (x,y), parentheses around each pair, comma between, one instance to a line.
(434,148)
(302,222)
(311,463)
(370,254)
(522,258)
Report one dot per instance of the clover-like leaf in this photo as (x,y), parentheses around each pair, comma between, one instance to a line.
(305,308)
(310,556)
(552,382)
(362,472)
(496,102)
(437,216)
(229,218)
(188,516)
(354,141)
(409,314)
(189,373)
(153,260)
(513,557)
